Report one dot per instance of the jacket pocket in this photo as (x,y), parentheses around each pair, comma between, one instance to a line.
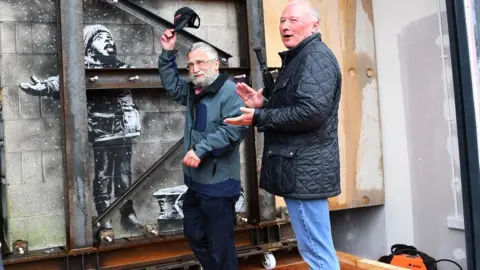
(281,168)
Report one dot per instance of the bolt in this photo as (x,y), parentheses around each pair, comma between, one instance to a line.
(92,79)
(134,78)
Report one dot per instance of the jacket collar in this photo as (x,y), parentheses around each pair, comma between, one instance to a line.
(214,86)
(291,53)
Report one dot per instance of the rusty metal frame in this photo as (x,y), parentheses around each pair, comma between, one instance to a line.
(141,78)
(158,22)
(76,81)
(164,253)
(256,38)
(74,125)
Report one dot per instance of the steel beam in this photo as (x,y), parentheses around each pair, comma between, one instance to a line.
(466,125)
(141,78)
(261,203)
(160,23)
(74,125)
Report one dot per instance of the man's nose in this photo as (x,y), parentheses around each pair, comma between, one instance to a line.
(195,68)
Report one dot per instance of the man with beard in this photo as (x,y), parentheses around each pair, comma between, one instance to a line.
(212,156)
(113,120)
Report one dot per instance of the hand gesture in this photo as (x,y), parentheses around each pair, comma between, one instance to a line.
(191,159)
(245,119)
(168,39)
(36,88)
(251,98)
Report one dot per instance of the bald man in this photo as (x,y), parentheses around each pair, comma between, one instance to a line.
(301,157)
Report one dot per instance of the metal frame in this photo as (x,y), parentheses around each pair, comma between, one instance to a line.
(262,233)
(73,99)
(466,126)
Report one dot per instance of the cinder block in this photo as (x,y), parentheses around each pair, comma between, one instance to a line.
(13,170)
(44,38)
(156,100)
(133,39)
(53,166)
(18,69)
(32,135)
(8,37)
(10,103)
(226,38)
(165,9)
(211,13)
(29,105)
(17,229)
(24,38)
(32,167)
(142,61)
(234,11)
(55,235)
(50,108)
(95,11)
(46,231)
(43,11)
(144,155)
(157,127)
(35,199)
(28,11)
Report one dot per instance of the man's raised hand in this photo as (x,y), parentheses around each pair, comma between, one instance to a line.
(251,98)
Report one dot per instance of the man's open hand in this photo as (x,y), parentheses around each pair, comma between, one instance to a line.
(191,160)
(251,98)
(245,119)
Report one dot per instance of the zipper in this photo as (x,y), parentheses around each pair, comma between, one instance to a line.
(214,170)
(192,114)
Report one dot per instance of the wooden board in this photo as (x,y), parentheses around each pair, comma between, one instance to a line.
(293,260)
(347,28)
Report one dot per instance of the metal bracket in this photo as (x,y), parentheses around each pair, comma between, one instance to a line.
(266,235)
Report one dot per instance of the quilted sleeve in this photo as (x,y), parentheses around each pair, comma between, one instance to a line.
(315,94)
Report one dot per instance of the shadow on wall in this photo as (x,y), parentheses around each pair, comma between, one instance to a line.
(426,76)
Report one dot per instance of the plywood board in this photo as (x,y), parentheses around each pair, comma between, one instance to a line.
(347,28)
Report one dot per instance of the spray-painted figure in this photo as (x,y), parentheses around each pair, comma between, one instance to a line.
(113,120)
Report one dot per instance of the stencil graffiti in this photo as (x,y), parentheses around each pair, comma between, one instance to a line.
(113,121)
(170,201)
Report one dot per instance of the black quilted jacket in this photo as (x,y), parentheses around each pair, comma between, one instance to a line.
(301,155)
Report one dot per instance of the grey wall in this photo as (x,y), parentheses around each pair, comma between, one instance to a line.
(34,172)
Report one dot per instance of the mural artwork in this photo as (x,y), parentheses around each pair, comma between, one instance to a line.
(113,120)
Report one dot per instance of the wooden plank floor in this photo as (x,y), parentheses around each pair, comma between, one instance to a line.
(292,260)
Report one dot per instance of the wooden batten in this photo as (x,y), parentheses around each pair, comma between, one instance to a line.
(347,28)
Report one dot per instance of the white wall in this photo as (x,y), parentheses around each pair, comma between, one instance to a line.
(418,126)
(420,155)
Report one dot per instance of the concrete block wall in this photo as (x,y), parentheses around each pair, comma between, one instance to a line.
(33,150)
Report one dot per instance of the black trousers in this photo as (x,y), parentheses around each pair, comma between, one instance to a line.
(209,229)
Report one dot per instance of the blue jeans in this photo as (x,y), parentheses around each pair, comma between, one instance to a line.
(1,264)
(208,226)
(311,223)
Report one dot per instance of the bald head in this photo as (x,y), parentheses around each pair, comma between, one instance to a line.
(306,8)
(299,20)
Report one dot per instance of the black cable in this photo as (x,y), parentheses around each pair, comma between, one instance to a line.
(446,260)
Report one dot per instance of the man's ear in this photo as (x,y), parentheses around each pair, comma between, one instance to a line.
(316,27)
(90,52)
(216,64)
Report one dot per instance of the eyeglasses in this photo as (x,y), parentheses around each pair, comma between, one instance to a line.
(198,63)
